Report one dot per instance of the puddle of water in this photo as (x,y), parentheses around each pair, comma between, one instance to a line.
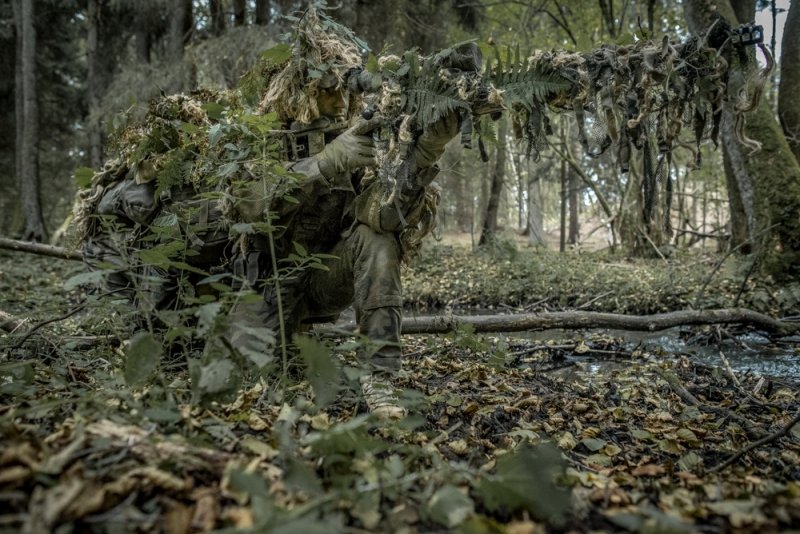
(749,352)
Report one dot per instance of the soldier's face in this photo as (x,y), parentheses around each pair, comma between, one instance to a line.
(333,103)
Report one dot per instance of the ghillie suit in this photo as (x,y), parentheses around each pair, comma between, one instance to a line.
(204,193)
(157,210)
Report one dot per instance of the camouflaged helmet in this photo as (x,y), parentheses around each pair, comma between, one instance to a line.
(323,52)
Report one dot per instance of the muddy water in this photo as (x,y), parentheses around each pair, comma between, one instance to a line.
(750,352)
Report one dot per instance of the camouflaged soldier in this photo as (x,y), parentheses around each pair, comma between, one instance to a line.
(336,210)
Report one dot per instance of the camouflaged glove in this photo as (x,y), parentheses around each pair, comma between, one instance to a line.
(431,143)
(349,152)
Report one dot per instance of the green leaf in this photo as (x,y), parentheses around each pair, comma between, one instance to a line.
(450,507)
(87,278)
(142,357)
(214,135)
(300,477)
(165,220)
(300,249)
(372,64)
(250,483)
(525,480)
(593,444)
(163,415)
(690,462)
(213,110)
(188,127)
(83,177)
(228,169)
(320,370)
(206,315)
(277,54)
(219,376)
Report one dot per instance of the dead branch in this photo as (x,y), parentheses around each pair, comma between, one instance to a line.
(583,319)
(763,441)
(40,249)
(687,397)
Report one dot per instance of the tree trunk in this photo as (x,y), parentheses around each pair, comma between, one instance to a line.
(217,11)
(788,101)
(180,26)
(574,183)
(93,83)
(769,178)
(31,207)
(262,12)
(19,102)
(142,37)
(239,12)
(493,205)
(535,218)
(740,231)
(562,234)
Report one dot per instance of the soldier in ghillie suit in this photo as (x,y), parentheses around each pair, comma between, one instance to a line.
(335,209)
(330,205)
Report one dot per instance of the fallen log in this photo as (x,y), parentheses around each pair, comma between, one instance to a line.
(583,319)
(40,249)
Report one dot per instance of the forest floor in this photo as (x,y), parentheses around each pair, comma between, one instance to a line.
(577,431)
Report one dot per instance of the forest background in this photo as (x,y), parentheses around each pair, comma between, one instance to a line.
(70,69)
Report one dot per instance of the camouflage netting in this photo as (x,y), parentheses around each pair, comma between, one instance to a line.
(320,48)
(170,147)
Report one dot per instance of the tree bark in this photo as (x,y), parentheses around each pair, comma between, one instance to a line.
(493,205)
(582,319)
(93,83)
(217,11)
(262,12)
(19,101)
(29,160)
(239,12)
(574,183)
(740,229)
(180,26)
(789,89)
(535,220)
(769,178)
(142,37)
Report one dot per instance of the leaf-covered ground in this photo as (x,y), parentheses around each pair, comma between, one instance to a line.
(581,433)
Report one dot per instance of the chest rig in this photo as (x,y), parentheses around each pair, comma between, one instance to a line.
(306,140)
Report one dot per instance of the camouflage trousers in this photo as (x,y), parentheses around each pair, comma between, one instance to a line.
(365,273)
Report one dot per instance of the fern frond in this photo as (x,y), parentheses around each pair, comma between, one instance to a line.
(529,88)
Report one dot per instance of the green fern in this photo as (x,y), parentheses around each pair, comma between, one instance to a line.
(175,171)
(429,97)
(527,87)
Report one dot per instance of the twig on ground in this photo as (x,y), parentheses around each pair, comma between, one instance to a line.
(40,324)
(675,383)
(763,441)
(727,365)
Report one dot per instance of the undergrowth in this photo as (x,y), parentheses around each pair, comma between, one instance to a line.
(102,428)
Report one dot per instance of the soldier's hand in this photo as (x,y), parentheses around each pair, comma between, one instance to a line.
(352,150)
(431,143)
